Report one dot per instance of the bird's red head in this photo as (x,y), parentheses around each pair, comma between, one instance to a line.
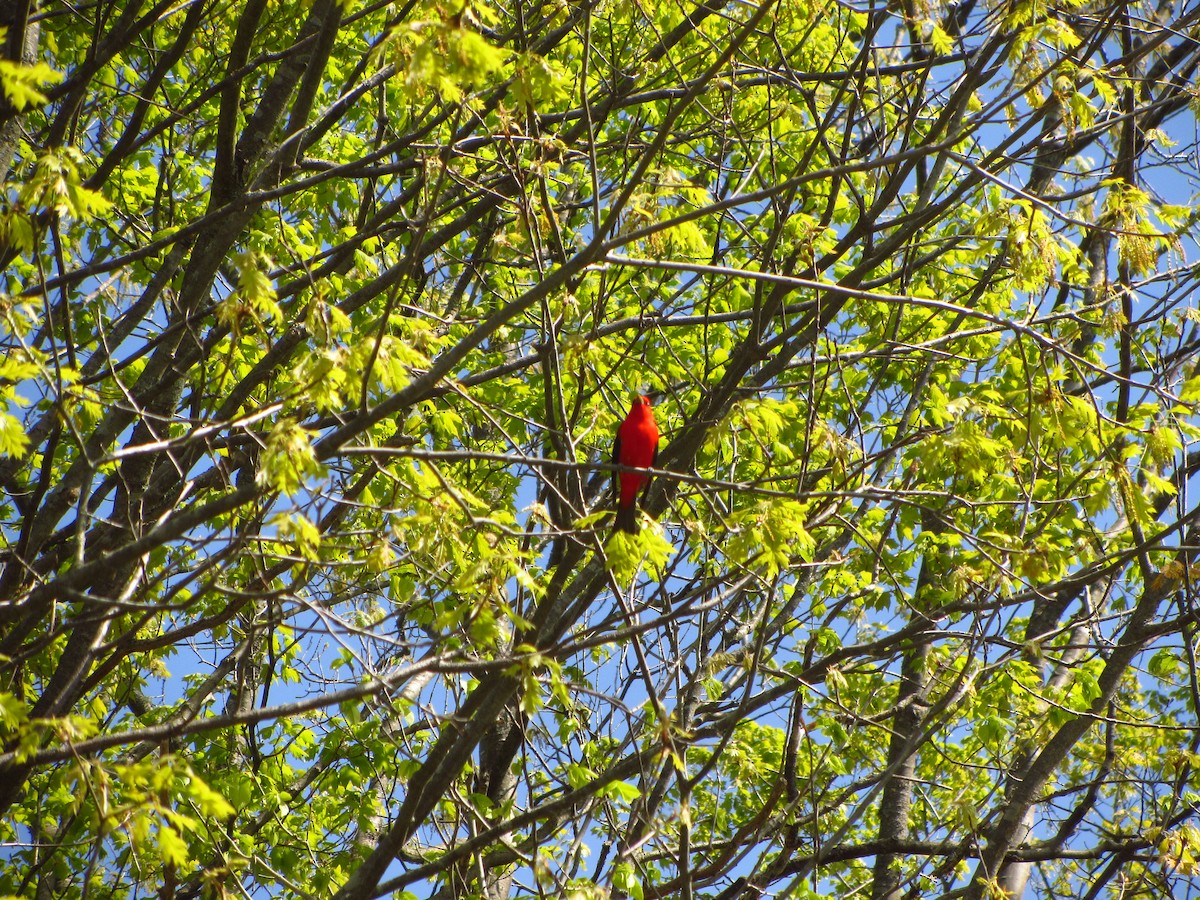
(642,400)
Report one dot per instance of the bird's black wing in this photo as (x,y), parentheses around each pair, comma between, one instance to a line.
(616,476)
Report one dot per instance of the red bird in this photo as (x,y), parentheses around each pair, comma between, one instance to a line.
(636,445)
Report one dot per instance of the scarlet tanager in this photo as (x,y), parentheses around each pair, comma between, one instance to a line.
(636,445)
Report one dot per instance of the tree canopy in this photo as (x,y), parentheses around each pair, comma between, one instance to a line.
(319,318)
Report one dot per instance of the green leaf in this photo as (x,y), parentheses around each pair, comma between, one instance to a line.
(14,714)
(940,41)
(622,791)
(21,84)
(994,731)
(299,531)
(625,879)
(288,461)
(211,803)
(56,186)
(13,440)
(172,849)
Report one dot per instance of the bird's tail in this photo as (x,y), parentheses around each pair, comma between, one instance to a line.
(627,518)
